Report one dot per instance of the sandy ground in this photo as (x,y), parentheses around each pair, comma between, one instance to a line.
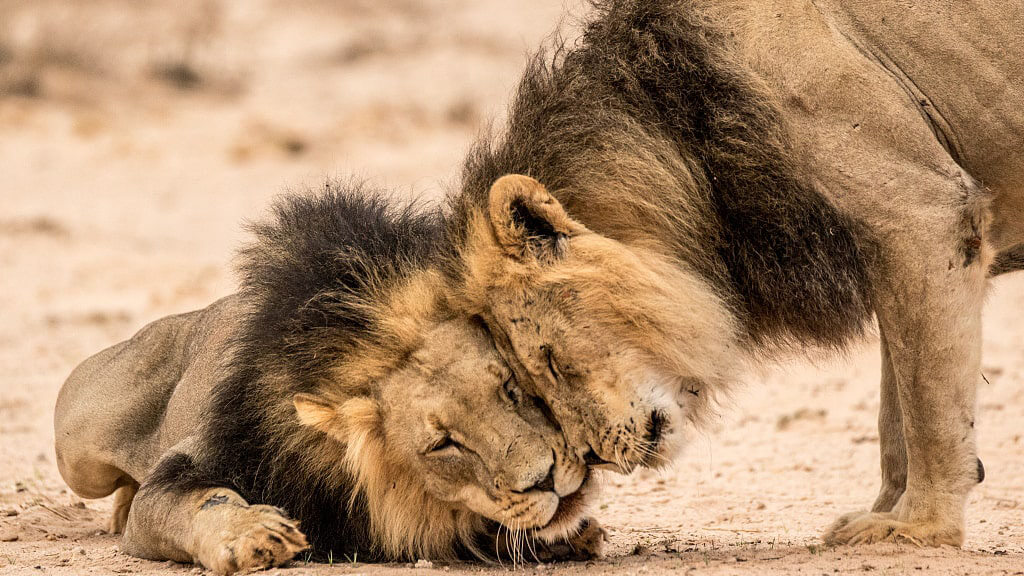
(136,135)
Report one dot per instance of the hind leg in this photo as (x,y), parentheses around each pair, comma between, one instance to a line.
(892,443)
(177,518)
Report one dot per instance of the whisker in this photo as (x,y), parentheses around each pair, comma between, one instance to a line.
(515,544)
(519,542)
(497,543)
(532,544)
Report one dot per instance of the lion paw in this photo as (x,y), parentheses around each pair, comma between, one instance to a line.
(871,527)
(587,543)
(259,537)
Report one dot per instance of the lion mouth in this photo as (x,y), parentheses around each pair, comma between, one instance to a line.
(571,506)
(596,462)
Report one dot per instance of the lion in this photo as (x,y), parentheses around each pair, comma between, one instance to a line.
(697,186)
(335,402)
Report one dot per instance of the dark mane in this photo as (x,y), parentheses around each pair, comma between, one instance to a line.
(651,89)
(312,267)
(304,278)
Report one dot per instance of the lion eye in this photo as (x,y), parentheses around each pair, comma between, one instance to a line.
(552,366)
(512,391)
(445,444)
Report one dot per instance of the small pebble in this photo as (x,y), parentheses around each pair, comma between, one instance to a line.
(422,563)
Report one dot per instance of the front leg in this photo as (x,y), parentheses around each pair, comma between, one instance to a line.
(892,444)
(211,526)
(929,300)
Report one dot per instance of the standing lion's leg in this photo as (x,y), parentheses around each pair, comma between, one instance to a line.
(175,517)
(929,294)
(893,445)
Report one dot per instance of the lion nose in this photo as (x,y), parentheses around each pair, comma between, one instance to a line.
(591,458)
(655,427)
(545,484)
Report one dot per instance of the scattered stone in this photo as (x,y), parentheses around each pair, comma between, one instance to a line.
(9,536)
(422,563)
(78,551)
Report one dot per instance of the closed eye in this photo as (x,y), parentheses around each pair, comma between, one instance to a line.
(552,368)
(512,391)
(445,445)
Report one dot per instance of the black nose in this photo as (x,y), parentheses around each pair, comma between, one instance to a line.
(548,483)
(655,427)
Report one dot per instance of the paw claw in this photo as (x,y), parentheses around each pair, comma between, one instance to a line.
(872,527)
(260,537)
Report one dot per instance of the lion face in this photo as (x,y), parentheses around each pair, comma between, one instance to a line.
(448,437)
(457,414)
(622,344)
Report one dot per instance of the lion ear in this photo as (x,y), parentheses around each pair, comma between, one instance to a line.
(316,412)
(527,220)
(351,422)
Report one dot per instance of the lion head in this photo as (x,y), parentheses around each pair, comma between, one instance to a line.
(597,328)
(446,439)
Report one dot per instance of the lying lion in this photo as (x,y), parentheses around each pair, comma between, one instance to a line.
(731,179)
(335,401)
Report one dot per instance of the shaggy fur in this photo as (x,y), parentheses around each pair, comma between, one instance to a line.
(338,388)
(724,178)
(645,131)
(311,277)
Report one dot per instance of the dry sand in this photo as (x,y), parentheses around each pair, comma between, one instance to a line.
(136,135)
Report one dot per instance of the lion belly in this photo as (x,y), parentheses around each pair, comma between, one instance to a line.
(963,65)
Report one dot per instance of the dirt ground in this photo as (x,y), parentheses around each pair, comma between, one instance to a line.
(136,135)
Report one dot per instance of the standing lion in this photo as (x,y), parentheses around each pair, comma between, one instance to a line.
(706,183)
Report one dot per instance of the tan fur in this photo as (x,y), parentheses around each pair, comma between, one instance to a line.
(903,115)
(902,120)
(641,328)
(371,426)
